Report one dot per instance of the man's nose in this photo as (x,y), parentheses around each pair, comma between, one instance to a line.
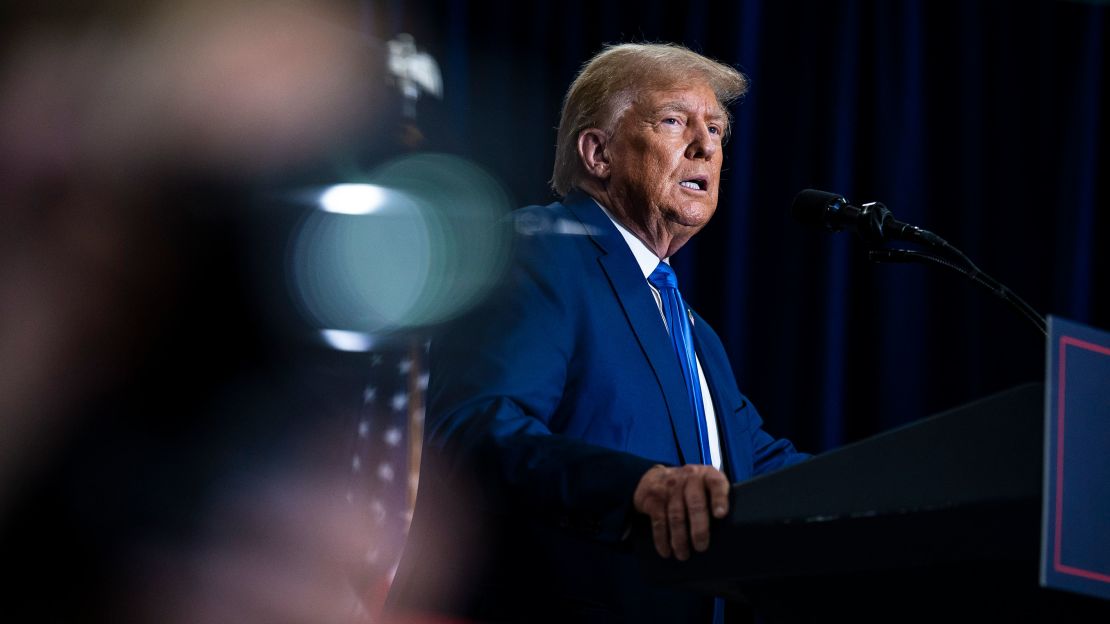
(702,141)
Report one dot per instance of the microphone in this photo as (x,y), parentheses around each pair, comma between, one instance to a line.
(875,225)
(872,221)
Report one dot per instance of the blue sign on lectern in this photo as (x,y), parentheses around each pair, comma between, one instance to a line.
(1075,545)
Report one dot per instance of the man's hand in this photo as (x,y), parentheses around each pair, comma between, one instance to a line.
(676,499)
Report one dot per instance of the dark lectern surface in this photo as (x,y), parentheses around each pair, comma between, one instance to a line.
(902,526)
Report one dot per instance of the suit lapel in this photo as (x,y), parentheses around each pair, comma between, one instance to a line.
(642,313)
(724,404)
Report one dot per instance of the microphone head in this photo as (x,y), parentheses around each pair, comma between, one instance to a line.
(821,209)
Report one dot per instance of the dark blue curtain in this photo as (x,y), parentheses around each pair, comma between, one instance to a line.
(981,121)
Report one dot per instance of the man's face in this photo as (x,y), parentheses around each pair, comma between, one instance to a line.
(665,159)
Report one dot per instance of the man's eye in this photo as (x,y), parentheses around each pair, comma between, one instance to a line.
(715,130)
(672,121)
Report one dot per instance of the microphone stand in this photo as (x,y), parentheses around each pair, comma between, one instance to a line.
(961,264)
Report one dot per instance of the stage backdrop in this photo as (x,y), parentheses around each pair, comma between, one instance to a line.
(980,121)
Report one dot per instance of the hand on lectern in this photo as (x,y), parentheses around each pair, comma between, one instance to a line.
(678,501)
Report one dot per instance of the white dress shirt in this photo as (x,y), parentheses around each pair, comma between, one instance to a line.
(647,260)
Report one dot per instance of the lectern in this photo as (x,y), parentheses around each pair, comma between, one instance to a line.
(937,521)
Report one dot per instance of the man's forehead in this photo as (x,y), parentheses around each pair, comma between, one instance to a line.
(683,98)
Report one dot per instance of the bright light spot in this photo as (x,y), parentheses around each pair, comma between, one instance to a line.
(432,246)
(347,340)
(352,199)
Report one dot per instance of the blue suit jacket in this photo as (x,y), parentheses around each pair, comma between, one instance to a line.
(546,405)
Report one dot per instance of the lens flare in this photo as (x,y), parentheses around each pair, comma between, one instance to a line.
(415,245)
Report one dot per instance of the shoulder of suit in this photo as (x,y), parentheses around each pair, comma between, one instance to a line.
(554,219)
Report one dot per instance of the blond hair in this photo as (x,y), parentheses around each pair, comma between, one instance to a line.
(609,83)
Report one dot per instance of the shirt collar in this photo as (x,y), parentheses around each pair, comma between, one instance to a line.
(645,257)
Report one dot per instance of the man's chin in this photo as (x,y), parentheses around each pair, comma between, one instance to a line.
(692,217)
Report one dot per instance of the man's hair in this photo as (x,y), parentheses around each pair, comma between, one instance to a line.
(609,83)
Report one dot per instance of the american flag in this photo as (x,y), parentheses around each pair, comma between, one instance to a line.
(385,459)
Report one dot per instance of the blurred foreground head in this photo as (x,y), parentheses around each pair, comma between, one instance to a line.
(106,114)
(134,375)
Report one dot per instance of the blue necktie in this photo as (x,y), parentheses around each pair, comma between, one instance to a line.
(682,339)
(674,309)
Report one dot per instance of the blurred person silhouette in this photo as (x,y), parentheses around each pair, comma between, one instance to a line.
(162,457)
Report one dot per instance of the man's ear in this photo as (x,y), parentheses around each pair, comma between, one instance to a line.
(593,152)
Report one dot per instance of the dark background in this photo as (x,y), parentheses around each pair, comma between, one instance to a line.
(977,120)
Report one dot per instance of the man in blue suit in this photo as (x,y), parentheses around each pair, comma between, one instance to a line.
(584,394)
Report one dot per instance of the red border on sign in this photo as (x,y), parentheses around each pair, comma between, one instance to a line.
(1057,564)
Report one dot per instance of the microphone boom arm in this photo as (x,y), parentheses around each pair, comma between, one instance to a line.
(875,225)
(972,272)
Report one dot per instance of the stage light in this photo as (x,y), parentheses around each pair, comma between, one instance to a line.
(353,199)
(343,340)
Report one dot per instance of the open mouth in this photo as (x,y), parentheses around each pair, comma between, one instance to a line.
(695,184)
